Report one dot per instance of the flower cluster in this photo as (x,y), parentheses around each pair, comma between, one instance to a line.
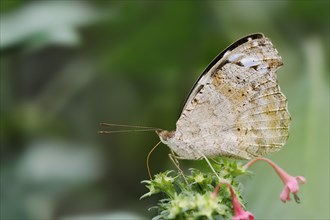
(200,195)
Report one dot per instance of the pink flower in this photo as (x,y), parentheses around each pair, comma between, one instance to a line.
(291,186)
(291,183)
(239,213)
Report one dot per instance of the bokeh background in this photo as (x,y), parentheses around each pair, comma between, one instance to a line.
(66,66)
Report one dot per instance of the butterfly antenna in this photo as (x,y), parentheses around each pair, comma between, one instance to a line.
(123,131)
(148,167)
(132,128)
(127,126)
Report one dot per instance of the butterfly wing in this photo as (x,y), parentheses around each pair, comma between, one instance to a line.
(236,107)
(215,62)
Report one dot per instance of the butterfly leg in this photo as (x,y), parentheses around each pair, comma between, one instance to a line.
(215,161)
(210,165)
(176,163)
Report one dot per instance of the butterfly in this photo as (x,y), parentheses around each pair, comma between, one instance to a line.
(236,108)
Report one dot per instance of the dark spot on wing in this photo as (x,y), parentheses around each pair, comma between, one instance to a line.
(239,63)
(261,43)
(224,63)
(255,67)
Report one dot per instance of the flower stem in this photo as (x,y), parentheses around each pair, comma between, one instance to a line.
(281,173)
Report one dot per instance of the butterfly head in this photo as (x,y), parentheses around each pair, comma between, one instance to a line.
(165,135)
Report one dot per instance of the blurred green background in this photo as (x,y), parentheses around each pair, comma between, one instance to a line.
(68,65)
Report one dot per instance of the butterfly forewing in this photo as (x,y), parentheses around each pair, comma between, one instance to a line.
(236,107)
(217,61)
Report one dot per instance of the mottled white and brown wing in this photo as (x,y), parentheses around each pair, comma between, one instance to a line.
(236,108)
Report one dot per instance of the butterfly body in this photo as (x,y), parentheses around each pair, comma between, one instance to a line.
(236,108)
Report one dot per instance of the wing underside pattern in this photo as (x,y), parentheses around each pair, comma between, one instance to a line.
(236,108)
